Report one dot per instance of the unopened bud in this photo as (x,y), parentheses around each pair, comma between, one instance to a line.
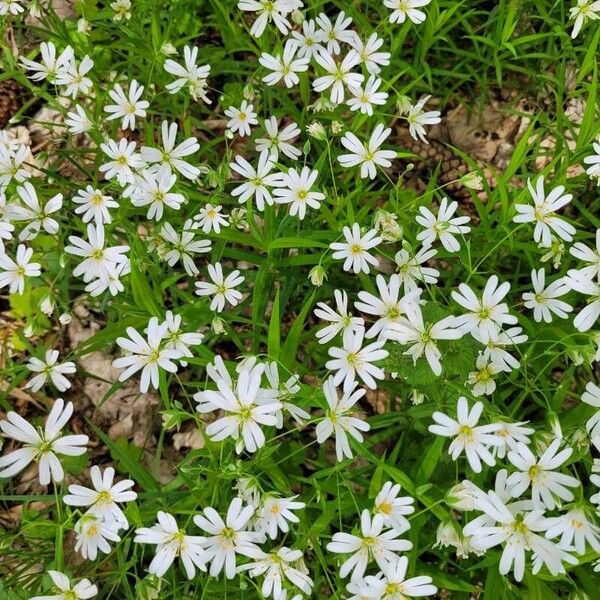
(218,325)
(47,304)
(317,131)
(317,275)
(473,181)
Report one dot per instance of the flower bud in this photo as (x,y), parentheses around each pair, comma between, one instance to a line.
(403,104)
(473,181)
(83,26)
(218,325)
(297,17)
(387,225)
(249,92)
(462,496)
(317,131)
(168,49)
(65,318)
(417,397)
(47,304)
(337,127)
(317,275)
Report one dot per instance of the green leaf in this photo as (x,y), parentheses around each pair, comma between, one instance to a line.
(273,336)
(129,459)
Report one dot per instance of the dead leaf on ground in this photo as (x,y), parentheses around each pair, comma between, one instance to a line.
(126,413)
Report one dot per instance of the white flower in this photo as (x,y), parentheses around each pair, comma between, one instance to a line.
(482,380)
(393,585)
(355,250)
(284,391)
(519,532)
(41,446)
(172,542)
(171,155)
(146,354)
(74,77)
(353,360)
(388,306)
(584,11)
(13,165)
(267,11)
(109,279)
(14,272)
(594,159)
(122,9)
(279,141)
(50,368)
(276,513)
(51,66)
(128,105)
(371,544)
(82,590)
(368,53)
(153,189)
(575,530)
(339,420)
(11,7)
(334,33)
(228,538)
(98,260)
(183,246)
(276,568)
(32,211)
(241,118)
(591,396)
(543,213)
(176,339)
(295,189)
(309,40)
(222,288)
(259,179)
(210,218)
(6,231)
(393,508)
(93,535)
(124,161)
(246,409)
(340,319)
(442,226)
(486,314)
(544,302)
(510,435)
(586,318)
(192,75)
(369,156)
(494,349)
(410,270)
(93,204)
(338,75)
(423,337)
(102,500)
(417,118)
(77,121)
(403,9)
(365,98)
(470,438)
(540,475)
(588,255)
(284,66)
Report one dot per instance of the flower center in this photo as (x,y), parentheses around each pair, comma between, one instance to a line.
(385,507)
(534,473)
